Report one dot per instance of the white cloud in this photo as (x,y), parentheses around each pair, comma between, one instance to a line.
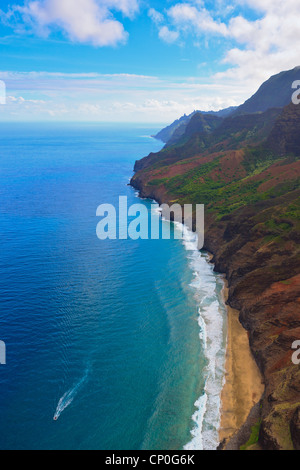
(21,100)
(267,45)
(167,35)
(156,16)
(83,21)
(184,16)
(263,46)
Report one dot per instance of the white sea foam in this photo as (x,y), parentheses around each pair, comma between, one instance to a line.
(198,417)
(212,325)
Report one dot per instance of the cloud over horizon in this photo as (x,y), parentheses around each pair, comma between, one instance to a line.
(108,98)
(182,55)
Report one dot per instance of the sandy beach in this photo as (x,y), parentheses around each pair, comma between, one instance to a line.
(243,388)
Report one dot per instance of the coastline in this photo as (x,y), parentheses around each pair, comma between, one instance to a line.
(209,437)
(243,388)
(263,280)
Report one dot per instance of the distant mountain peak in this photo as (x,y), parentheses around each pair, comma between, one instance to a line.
(173,133)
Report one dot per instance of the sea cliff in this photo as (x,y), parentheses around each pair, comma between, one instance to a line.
(264,285)
(247,171)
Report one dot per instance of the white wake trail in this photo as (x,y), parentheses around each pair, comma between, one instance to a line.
(69,396)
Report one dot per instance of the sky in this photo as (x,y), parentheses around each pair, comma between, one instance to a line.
(147,61)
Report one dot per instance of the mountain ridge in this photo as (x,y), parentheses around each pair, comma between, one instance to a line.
(274,93)
(176,130)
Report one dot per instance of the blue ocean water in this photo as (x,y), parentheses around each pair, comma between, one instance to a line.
(121,341)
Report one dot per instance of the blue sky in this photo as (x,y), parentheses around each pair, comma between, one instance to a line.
(140,60)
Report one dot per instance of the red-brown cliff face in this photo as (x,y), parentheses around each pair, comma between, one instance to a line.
(248,177)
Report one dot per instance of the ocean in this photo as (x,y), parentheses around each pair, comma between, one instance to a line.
(112,345)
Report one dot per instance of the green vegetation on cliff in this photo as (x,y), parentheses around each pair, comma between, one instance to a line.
(246,170)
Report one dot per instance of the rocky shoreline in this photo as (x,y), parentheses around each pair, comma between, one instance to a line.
(264,286)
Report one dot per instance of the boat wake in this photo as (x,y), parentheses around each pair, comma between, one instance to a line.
(69,396)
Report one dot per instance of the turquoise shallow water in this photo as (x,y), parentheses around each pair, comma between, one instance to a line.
(104,335)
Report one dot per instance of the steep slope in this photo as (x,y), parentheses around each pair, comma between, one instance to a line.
(274,93)
(247,173)
(199,124)
(285,136)
(177,129)
(201,139)
(177,126)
